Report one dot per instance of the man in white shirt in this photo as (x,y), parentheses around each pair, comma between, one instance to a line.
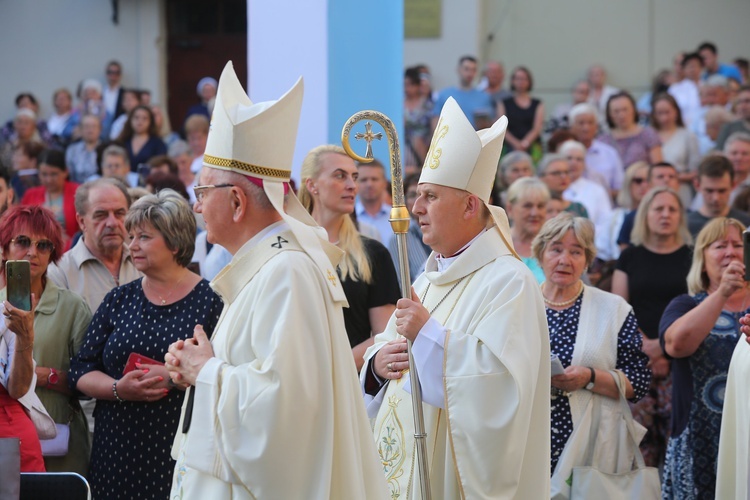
(371,207)
(600,157)
(686,92)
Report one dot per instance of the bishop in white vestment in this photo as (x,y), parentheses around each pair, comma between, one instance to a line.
(481,343)
(274,409)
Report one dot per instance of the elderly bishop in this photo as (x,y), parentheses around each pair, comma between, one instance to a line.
(274,409)
(480,339)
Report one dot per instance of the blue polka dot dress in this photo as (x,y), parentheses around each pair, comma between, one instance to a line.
(563,327)
(130,455)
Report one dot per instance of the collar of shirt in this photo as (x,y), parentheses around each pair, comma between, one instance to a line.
(82,254)
(360,209)
(444,262)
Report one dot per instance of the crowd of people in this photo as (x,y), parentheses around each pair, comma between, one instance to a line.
(620,255)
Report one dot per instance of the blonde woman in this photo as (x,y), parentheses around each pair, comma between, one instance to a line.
(699,331)
(649,274)
(328,191)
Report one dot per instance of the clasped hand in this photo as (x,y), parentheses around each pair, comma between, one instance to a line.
(411,316)
(574,378)
(186,358)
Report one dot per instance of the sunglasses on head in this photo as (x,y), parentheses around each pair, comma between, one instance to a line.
(24,242)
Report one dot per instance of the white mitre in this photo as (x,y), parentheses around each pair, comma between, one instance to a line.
(257,141)
(462,158)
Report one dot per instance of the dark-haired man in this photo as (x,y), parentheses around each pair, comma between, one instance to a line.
(714,183)
(478,106)
(686,92)
(710,54)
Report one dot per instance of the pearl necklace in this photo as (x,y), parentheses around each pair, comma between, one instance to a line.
(566,302)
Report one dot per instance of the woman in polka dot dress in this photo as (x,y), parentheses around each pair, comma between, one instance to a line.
(591,331)
(137,412)
(699,331)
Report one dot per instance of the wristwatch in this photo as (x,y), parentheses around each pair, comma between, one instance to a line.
(590,385)
(53,378)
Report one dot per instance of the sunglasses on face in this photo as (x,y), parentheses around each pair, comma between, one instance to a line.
(638,180)
(24,242)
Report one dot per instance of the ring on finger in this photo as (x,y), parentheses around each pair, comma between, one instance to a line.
(389,366)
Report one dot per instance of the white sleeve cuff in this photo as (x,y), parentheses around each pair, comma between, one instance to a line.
(428,352)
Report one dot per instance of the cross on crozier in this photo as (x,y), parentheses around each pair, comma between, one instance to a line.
(368,136)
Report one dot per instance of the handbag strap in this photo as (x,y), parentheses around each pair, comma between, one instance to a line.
(596,415)
(628,416)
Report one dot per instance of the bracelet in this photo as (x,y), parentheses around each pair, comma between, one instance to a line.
(31,344)
(114,391)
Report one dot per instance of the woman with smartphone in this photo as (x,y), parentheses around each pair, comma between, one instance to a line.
(137,409)
(16,377)
(31,233)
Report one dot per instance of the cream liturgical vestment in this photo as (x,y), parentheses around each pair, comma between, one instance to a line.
(491,437)
(733,468)
(278,412)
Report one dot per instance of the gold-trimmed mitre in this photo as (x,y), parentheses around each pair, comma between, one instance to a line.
(462,158)
(257,140)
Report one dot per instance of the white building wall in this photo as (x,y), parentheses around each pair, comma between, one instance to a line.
(52,43)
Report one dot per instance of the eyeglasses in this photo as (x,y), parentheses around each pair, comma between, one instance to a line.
(200,191)
(638,180)
(113,71)
(24,242)
(559,173)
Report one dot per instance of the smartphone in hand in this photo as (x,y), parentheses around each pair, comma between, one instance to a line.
(18,283)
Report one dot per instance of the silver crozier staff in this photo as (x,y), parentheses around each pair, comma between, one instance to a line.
(400,224)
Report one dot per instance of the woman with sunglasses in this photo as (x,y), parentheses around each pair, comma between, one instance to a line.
(60,320)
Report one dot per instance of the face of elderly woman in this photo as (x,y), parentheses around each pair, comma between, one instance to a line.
(26,246)
(622,113)
(719,254)
(564,260)
(518,170)
(557,176)
(529,213)
(148,249)
(663,217)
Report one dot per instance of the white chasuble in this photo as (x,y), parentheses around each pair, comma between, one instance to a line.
(733,467)
(492,440)
(278,412)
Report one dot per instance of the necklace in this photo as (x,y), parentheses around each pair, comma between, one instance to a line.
(165,299)
(565,302)
(455,285)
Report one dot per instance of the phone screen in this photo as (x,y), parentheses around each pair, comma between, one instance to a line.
(18,279)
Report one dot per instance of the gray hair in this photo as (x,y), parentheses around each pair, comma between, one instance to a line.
(737,137)
(169,213)
(115,150)
(555,229)
(526,186)
(570,145)
(716,80)
(641,233)
(548,160)
(718,115)
(83,191)
(177,148)
(515,157)
(583,108)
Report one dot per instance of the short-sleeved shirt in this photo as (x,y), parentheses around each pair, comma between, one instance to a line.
(471,102)
(654,279)
(78,270)
(634,148)
(382,290)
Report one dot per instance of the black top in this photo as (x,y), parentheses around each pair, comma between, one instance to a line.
(653,281)
(520,120)
(383,290)
(696,220)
